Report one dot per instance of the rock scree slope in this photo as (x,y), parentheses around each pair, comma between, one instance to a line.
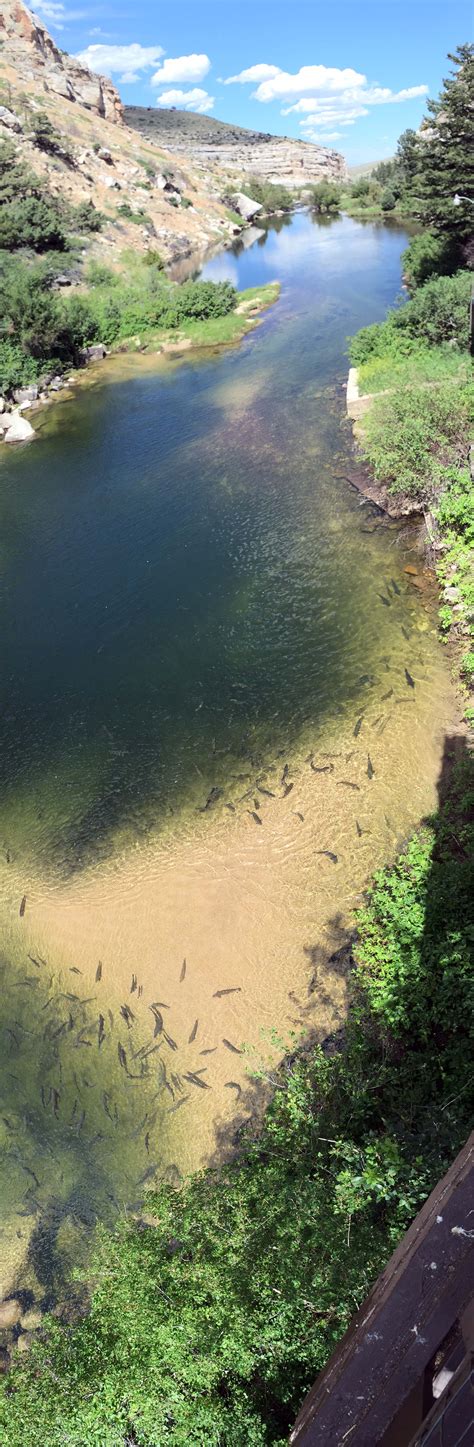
(215,145)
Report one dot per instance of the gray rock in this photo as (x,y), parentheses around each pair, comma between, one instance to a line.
(20,430)
(245,206)
(10,1312)
(96,353)
(2,404)
(451,595)
(26,394)
(9,119)
(105,155)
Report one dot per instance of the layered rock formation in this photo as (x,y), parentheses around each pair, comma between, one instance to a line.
(29,49)
(234,151)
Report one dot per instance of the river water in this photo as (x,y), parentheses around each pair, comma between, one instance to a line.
(193,601)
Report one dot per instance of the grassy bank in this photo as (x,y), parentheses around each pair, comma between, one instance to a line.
(417,435)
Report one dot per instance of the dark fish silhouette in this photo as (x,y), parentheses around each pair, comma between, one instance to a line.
(309,758)
(134,984)
(323,768)
(395,587)
(210,1051)
(179,1103)
(370,767)
(287,790)
(230,1046)
(409,679)
(284,774)
(182,972)
(23,906)
(169,1041)
(122,1055)
(233,1085)
(105,1099)
(98,973)
(55,1097)
(255,816)
(359,830)
(159,1005)
(347,783)
(38,962)
(387,695)
(211,799)
(231,807)
(405,633)
(194,1031)
(384,600)
(73,970)
(111,1018)
(298,815)
(127,1014)
(234,990)
(196,1080)
(358,727)
(147,1142)
(101,1030)
(263,790)
(329,855)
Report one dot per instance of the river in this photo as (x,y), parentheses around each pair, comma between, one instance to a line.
(192,602)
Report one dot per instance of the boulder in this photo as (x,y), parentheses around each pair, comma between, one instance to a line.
(2,404)
(10,120)
(105,155)
(96,353)
(20,430)
(451,595)
(244,205)
(10,1312)
(26,394)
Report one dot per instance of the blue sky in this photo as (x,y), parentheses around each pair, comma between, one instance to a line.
(348,76)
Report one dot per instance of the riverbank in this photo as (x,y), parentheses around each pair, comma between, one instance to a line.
(200,334)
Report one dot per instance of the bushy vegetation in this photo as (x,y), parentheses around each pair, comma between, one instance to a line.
(437,313)
(209,1325)
(414,436)
(270,195)
(325,196)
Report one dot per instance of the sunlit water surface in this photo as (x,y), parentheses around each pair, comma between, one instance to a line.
(193,601)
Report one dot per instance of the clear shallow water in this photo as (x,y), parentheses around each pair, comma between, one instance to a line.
(191,601)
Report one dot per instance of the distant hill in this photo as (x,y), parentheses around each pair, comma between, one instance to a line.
(234,150)
(366,168)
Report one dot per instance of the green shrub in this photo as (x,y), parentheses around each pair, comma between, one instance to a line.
(438,312)
(270,195)
(429,255)
(412,436)
(326,196)
(85,217)
(387,200)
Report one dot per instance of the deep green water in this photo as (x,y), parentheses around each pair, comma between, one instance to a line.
(172,593)
(188,590)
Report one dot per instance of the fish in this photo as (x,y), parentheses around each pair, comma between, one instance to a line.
(358,727)
(98,973)
(255,816)
(409,679)
(384,600)
(158,1023)
(211,799)
(395,587)
(73,970)
(263,790)
(38,962)
(105,1099)
(134,984)
(122,1055)
(287,790)
(359,830)
(55,1097)
(323,768)
(182,972)
(387,695)
(127,1014)
(196,1080)
(169,1041)
(194,1031)
(348,784)
(284,774)
(147,1142)
(179,1103)
(159,1005)
(329,855)
(405,633)
(229,1046)
(210,1050)
(233,990)
(298,815)
(111,1018)
(101,1030)
(233,1085)
(23,906)
(231,807)
(309,758)
(150,1051)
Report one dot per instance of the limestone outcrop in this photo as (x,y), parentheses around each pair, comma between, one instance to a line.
(33,54)
(234,151)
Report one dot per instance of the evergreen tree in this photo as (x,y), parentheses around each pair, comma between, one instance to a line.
(447,152)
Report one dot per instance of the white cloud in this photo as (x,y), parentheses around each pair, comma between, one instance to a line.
(56,14)
(321,138)
(310,80)
(350,105)
(254,74)
(187,100)
(126,60)
(184,70)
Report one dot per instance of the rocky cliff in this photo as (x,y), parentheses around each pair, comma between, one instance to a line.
(30,52)
(235,151)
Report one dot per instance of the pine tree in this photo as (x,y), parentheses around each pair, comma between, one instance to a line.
(447,152)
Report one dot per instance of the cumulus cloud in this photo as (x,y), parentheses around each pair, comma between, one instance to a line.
(184,70)
(187,100)
(321,138)
(56,14)
(128,61)
(327,95)
(254,74)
